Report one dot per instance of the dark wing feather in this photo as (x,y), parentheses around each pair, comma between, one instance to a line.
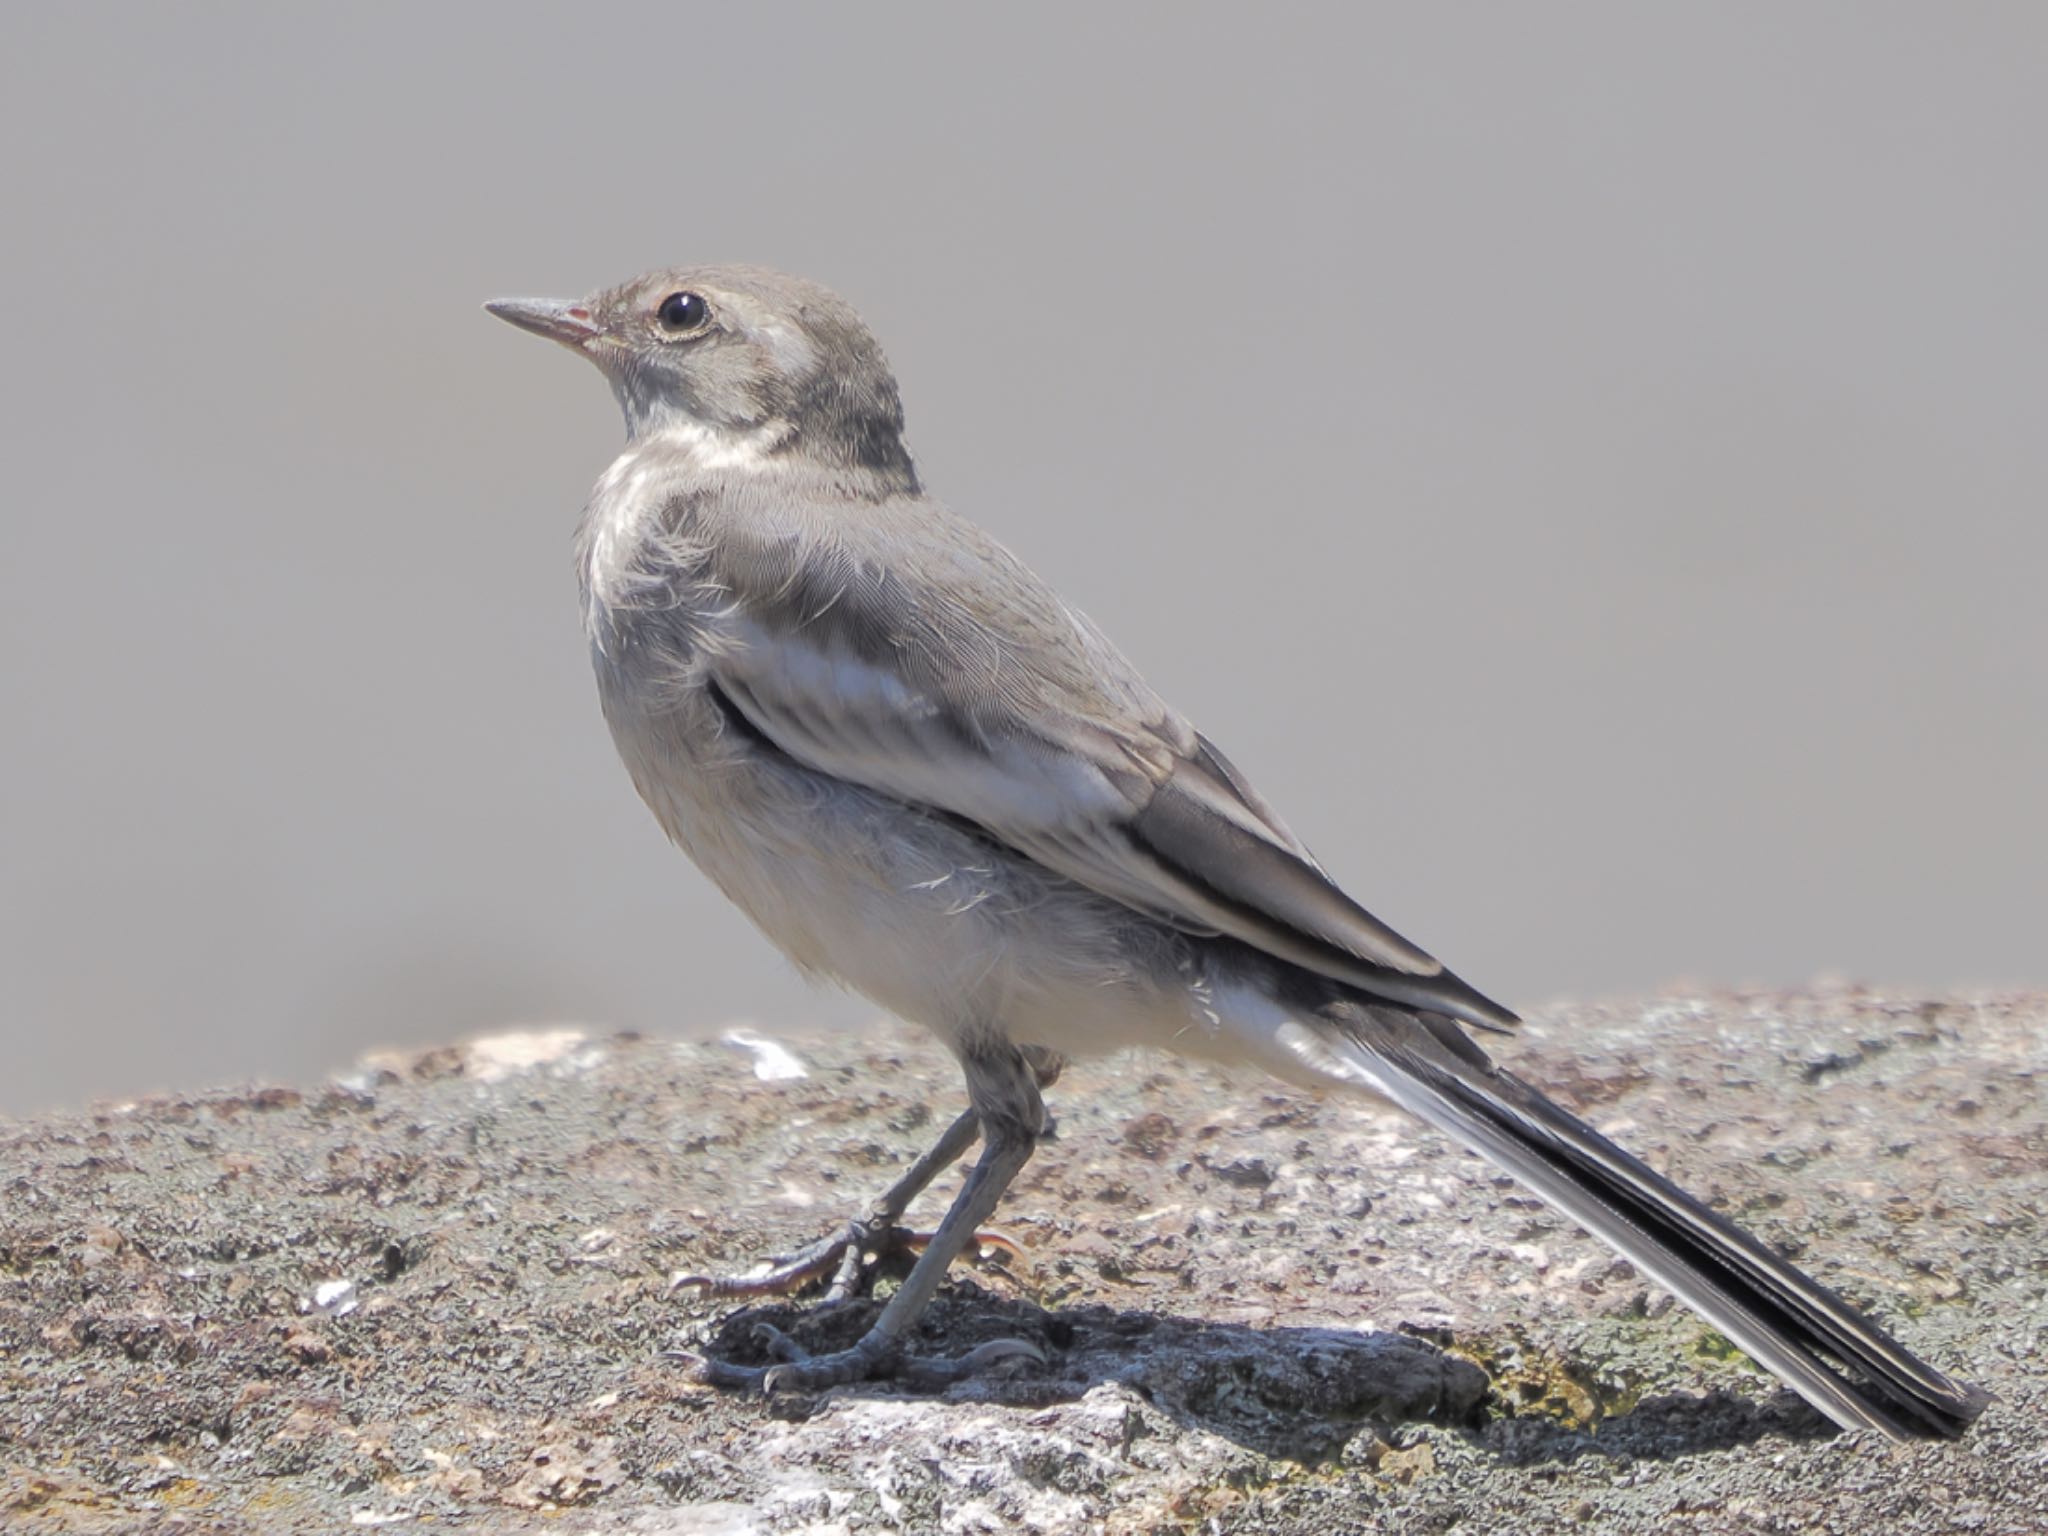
(906,651)
(1242,878)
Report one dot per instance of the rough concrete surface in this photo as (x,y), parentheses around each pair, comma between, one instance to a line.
(434,1295)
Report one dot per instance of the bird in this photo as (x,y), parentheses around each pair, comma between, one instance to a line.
(928,778)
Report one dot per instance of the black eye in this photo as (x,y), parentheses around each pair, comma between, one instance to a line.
(683,311)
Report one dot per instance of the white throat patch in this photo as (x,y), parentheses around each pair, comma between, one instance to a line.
(624,506)
(716,448)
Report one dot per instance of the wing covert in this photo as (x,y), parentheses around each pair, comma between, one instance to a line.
(965,686)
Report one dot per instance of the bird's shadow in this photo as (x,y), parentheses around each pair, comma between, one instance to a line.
(1297,1394)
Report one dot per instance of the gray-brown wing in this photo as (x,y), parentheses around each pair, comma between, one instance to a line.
(941,672)
(1241,869)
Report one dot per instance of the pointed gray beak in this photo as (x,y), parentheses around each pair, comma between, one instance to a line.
(557,319)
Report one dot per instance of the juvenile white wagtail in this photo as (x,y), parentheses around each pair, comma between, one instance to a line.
(926,777)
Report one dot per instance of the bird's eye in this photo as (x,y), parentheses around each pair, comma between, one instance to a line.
(683,311)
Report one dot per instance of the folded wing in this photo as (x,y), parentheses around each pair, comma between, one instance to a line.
(955,680)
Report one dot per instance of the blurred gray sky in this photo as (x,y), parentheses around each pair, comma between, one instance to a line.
(1630,417)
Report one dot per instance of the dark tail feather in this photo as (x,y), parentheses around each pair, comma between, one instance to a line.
(1787,1322)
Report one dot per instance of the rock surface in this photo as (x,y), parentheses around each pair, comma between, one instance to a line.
(435,1295)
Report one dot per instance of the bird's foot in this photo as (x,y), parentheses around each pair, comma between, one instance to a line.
(851,1257)
(875,1357)
(841,1255)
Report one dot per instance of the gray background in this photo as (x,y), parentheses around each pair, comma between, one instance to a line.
(1587,462)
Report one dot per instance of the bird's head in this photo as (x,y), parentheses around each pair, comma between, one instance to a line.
(750,365)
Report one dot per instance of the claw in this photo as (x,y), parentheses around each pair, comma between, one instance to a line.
(939,1371)
(783,1276)
(778,1281)
(708,1371)
(848,1256)
(814,1373)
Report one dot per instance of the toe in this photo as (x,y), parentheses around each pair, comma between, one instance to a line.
(778,1343)
(709,1371)
(939,1371)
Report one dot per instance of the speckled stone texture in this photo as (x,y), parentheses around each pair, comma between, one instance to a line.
(434,1295)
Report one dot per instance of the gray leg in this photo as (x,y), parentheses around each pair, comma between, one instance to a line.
(841,1253)
(1003,1086)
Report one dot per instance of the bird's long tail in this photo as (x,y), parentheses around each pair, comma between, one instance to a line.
(1784,1320)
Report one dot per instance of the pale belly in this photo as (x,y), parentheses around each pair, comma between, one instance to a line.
(924,915)
(937,924)
(915,912)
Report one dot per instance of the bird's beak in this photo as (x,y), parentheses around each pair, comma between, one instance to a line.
(557,319)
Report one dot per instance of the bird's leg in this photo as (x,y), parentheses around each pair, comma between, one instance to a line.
(842,1254)
(879,1351)
(1003,1086)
